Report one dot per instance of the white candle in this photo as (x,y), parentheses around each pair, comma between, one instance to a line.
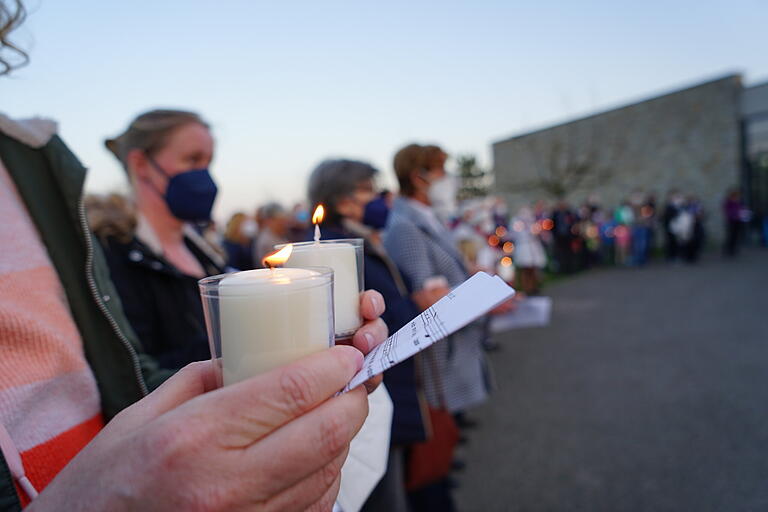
(271,317)
(342,258)
(506,269)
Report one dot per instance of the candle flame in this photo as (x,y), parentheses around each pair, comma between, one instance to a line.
(278,257)
(317,217)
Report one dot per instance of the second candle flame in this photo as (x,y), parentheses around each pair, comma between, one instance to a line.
(278,257)
(317,217)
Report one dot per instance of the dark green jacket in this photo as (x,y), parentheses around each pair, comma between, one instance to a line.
(50,181)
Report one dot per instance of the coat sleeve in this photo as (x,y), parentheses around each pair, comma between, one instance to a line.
(409,249)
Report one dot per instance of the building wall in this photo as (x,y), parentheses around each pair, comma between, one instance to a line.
(688,139)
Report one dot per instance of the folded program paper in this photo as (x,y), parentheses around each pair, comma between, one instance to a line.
(464,304)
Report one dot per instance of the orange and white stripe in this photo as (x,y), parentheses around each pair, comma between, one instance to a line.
(49,400)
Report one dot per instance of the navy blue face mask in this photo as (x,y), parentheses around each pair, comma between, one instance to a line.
(190,194)
(376,213)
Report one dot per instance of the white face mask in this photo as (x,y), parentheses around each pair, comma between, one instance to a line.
(248,228)
(442,196)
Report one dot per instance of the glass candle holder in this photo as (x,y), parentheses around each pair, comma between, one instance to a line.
(258,320)
(345,257)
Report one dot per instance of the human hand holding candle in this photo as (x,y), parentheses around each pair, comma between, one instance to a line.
(272,442)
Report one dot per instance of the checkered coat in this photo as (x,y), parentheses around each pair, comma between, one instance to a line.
(422,252)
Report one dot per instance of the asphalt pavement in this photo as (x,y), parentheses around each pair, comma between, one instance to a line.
(648,392)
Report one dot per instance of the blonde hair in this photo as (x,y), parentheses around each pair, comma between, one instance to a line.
(150,131)
(111,216)
(232,231)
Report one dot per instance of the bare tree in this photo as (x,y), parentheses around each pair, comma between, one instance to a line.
(571,160)
(475,181)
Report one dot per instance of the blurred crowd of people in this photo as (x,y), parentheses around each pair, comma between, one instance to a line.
(562,238)
(630,234)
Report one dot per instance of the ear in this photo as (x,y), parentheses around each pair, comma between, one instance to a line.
(418,181)
(138,164)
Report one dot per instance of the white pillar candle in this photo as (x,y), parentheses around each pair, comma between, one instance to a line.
(342,258)
(271,317)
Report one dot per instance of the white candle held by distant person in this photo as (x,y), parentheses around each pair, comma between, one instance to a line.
(345,257)
(268,317)
(506,269)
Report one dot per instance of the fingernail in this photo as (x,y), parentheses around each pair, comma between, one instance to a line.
(369,338)
(376,303)
(358,356)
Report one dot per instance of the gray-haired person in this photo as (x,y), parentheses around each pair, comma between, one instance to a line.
(273,229)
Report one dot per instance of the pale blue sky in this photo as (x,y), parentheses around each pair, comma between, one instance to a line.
(286,84)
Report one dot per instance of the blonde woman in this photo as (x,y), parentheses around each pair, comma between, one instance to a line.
(166,154)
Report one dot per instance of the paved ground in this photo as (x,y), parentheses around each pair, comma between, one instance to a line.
(649,392)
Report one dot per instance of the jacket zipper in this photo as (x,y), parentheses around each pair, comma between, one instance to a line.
(100,303)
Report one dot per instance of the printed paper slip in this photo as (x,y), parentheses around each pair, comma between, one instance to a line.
(531,312)
(468,301)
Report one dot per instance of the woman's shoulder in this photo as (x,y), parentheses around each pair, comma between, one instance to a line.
(34,132)
(399,231)
(399,220)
